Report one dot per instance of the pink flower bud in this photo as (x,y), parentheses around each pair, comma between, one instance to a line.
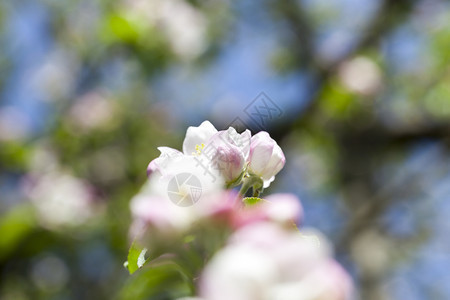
(266,158)
(227,151)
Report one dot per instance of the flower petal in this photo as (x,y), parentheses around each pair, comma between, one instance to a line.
(225,155)
(159,163)
(283,208)
(266,158)
(197,136)
(261,149)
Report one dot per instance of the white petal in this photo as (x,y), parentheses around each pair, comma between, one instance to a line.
(275,164)
(283,208)
(260,152)
(267,182)
(200,168)
(197,136)
(168,151)
(158,164)
(244,142)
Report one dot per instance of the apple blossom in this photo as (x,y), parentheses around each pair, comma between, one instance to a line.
(266,158)
(263,256)
(228,151)
(209,179)
(153,209)
(283,209)
(60,199)
(194,141)
(265,261)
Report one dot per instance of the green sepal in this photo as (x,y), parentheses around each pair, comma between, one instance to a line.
(249,201)
(236,181)
(252,181)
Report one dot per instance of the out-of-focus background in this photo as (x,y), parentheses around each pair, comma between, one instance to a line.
(357,93)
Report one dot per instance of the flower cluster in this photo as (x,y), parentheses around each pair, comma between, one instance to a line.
(235,156)
(233,247)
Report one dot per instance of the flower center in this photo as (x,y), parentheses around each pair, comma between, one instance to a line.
(198,149)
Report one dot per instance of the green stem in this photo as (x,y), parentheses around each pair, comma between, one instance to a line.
(254,182)
(246,185)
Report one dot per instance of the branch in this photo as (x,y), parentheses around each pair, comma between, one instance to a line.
(390,14)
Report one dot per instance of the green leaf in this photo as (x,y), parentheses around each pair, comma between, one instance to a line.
(337,102)
(165,280)
(136,258)
(15,226)
(251,200)
(189,238)
(119,28)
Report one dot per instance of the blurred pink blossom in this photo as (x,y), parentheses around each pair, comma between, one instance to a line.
(92,111)
(266,261)
(61,200)
(284,209)
(160,215)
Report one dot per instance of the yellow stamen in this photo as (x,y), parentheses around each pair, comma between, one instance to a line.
(198,149)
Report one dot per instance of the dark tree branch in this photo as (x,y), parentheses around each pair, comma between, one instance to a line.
(390,14)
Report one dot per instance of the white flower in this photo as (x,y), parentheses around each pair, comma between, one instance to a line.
(172,162)
(207,178)
(266,158)
(194,142)
(167,217)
